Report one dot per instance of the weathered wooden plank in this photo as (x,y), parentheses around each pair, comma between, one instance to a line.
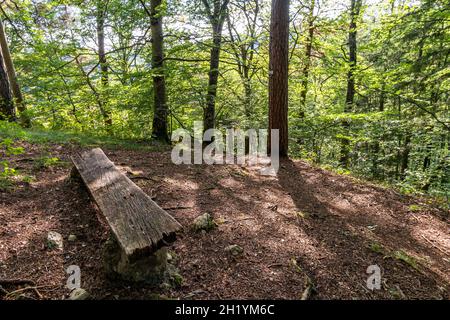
(138,223)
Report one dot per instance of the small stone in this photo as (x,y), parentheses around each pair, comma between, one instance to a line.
(54,240)
(165,286)
(79,294)
(72,238)
(234,250)
(204,222)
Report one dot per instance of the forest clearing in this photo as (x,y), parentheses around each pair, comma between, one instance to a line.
(333,226)
(224,150)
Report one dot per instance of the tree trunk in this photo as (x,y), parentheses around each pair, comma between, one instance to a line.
(349,100)
(159,130)
(278,72)
(306,67)
(101,12)
(404,161)
(217,17)
(14,84)
(7,110)
(248,98)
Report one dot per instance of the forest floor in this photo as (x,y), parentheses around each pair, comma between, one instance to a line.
(304,223)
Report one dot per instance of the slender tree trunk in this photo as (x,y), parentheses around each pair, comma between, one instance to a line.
(159,130)
(14,84)
(101,13)
(404,161)
(217,16)
(376,143)
(349,100)
(7,110)
(278,71)
(307,65)
(248,98)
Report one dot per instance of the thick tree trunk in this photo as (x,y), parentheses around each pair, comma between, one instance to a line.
(278,72)
(101,12)
(349,100)
(217,16)
(159,130)
(210,110)
(14,84)
(7,110)
(307,65)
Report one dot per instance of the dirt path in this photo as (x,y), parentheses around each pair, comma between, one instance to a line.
(332,226)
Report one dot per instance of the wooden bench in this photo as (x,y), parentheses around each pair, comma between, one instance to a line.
(139,227)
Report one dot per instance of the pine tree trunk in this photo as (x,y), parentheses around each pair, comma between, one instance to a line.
(159,130)
(278,72)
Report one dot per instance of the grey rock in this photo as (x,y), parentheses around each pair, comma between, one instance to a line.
(72,238)
(234,250)
(54,240)
(204,222)
(79,294)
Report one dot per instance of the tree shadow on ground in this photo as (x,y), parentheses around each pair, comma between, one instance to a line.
(348,235)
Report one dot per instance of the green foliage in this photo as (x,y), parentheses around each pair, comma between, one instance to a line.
(44,162)
(415,208)
(398,130)
(377,248)
(406,258)
(13,131)
(7,173)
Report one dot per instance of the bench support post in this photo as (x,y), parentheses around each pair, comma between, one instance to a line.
(149,269)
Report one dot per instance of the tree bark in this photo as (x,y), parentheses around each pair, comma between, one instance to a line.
(101,13)
(278,72)
(216,16)
(307,65)
(14,84)
(7,110)
(159,130)
(350,97)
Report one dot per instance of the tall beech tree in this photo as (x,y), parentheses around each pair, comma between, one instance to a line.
(278,72)
(216,12)
(14,84)
(355,8)
(102,6)
(308,55)
(159,130)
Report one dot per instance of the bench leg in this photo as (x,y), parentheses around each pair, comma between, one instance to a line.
(149,269)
